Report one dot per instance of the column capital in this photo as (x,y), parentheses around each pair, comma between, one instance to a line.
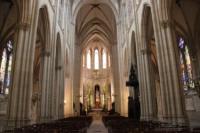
(23,26)
(166,23)
(46,54)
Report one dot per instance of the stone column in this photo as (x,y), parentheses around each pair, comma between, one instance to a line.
(44,89)
(140,64)
(116,78)
(61,95)
(19,105)
(147,82)
(77,79)
(141,86)
(49,86)
(171,93)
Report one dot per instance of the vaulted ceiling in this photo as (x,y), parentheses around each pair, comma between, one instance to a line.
(95,21)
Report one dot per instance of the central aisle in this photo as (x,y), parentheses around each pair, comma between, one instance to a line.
(97,125)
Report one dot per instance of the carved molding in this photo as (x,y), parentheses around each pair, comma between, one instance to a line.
(24,26)
(46,54)
(166,24)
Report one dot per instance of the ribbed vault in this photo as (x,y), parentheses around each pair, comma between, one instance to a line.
(95,21)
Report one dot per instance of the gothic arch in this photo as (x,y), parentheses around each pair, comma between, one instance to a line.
(89,29)
(185,27)
(149,52)
(77,7)
(24,8)
(185,19)
(133,49)
(58,89)
(58,51)
(88,25)
(41,53)
(9,10)
(8,29)
(46,26)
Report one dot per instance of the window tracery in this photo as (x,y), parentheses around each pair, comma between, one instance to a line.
(5,69)
(185,62)
(96,59)
(89,59)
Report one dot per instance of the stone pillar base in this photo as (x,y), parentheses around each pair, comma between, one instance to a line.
(146,118)
(11,124)
(46,119)
(175,121)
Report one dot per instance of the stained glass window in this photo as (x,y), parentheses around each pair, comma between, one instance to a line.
(185,62)
(89,59)
(2,71)
(104,59)
(5,68)
(96,59)
(181,43)
(109,62)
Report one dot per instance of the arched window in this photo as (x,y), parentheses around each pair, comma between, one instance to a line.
(96,59)
(104,59)
(89,59)
(109,62)
(5,69)
(185,62)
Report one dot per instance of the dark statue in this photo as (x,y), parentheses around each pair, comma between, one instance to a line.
(133,104)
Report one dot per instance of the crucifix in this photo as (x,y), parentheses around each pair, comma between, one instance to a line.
(133,103)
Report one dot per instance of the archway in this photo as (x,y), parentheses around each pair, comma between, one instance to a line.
(185,17)
(150,52)
(39,69)
(133,50)
(8,10)
(95,31)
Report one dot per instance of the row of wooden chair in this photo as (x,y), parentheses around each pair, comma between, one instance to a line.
(119,124)
(67,125)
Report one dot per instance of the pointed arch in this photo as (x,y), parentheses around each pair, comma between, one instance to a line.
(44,25)
(58,51)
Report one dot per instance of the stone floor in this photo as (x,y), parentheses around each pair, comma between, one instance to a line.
(97,125)
(194,118)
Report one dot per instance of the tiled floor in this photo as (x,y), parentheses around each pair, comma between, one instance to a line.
(97,125)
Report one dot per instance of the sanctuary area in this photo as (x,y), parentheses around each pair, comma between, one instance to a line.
(109,66)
